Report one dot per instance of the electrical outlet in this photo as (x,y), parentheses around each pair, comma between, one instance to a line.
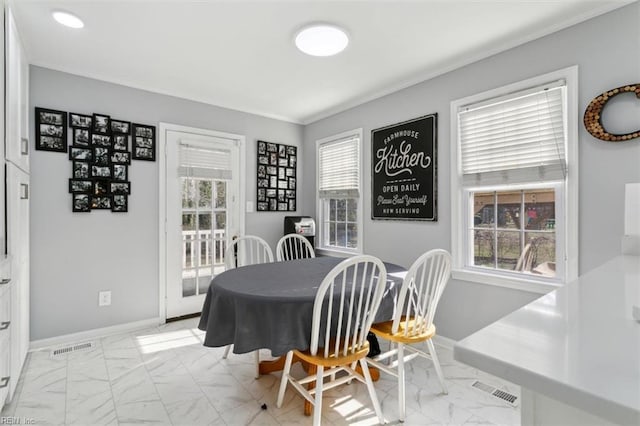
(104,298)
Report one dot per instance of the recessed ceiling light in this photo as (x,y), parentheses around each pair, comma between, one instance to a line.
(67,19)
(321,40)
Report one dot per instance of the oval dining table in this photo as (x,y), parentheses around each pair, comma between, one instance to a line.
(270,306)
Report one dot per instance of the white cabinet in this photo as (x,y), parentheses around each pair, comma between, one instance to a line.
(17,89)
(18,249)
(5,339)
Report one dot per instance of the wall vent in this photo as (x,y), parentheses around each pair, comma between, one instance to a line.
(56,353)
(496,393)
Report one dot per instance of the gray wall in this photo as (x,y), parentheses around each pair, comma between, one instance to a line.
(75,255)
(607,51)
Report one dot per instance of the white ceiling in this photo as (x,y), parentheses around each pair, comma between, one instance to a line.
(240,54)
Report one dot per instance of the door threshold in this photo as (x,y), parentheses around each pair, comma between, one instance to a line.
(183,317)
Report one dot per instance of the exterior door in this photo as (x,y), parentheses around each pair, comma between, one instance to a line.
(203,213)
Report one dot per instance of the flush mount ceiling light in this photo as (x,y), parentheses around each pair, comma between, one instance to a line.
(321,40)
(67,19)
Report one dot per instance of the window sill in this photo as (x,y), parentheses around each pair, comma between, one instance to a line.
(336,252)
(522,284)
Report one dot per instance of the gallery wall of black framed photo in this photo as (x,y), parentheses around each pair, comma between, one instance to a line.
(276,177)
(100,151)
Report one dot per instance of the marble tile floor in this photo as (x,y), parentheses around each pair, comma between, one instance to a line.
(163,375)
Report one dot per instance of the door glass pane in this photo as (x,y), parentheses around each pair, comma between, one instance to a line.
(509,209)
(204,189)
(188,193)
(204,225)
(539,206)
(221,194)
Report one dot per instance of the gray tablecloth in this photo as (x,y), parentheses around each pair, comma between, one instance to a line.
(271,305)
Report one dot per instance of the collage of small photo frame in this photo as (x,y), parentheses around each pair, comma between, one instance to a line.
(276,177)
(100,156)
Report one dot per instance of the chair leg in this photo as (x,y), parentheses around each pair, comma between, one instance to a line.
(226,352)
(372,391)
(285,379)
(401,398)
(436,364)
(257,355)
(317,406)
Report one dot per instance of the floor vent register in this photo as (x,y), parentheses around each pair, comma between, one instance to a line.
(56,353)
(496,393)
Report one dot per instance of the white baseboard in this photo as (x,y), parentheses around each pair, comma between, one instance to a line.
(444,342)
(96,333)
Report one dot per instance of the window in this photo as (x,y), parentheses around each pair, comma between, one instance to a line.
(338,197)
(514,184)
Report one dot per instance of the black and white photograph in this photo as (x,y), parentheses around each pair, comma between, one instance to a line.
(51,130)
(144,154)
(144,142)
(143,131)
(100,156)
(101,202)
(100,171)
(292,183)
(121,142)
(276,160)
(120,188)
(283,206)
(80,121)
(100,187)
(81,170)
(263,207)
(80,186)
(51,143)
(101,123)
(119,126)
(81,137)
(120,157)
(80,153)
(81,203)
(101,140)
(120,204)
(119,172)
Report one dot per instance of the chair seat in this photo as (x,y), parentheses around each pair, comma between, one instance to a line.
(383,330)
(333,360)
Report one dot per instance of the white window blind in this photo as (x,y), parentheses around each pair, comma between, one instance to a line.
(201,161)
(339,169)
(517,138)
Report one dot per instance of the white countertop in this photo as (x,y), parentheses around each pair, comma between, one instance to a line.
(578,344)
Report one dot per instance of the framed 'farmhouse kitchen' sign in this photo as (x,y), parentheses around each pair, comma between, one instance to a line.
(404,172)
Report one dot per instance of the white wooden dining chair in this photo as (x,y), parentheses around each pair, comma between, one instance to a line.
(344,308)
(293,246)
(245,251)
(413,319)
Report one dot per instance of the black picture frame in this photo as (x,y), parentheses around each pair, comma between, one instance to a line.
(100,187)
(120,203)
(51,130)
(120,127)
(98,139)
(120,142)
(101,202)
(120,157)
(81,170)
(81,153)
(81,136)
(101,172)
(414,184)
(276,176)
(120,173)
(101,123)
(80,121)
(120,188)
(101,156)
(80,186)
(81,203)
(143,142)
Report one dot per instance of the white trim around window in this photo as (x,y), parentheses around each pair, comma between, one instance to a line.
(566,192)
(322,243)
